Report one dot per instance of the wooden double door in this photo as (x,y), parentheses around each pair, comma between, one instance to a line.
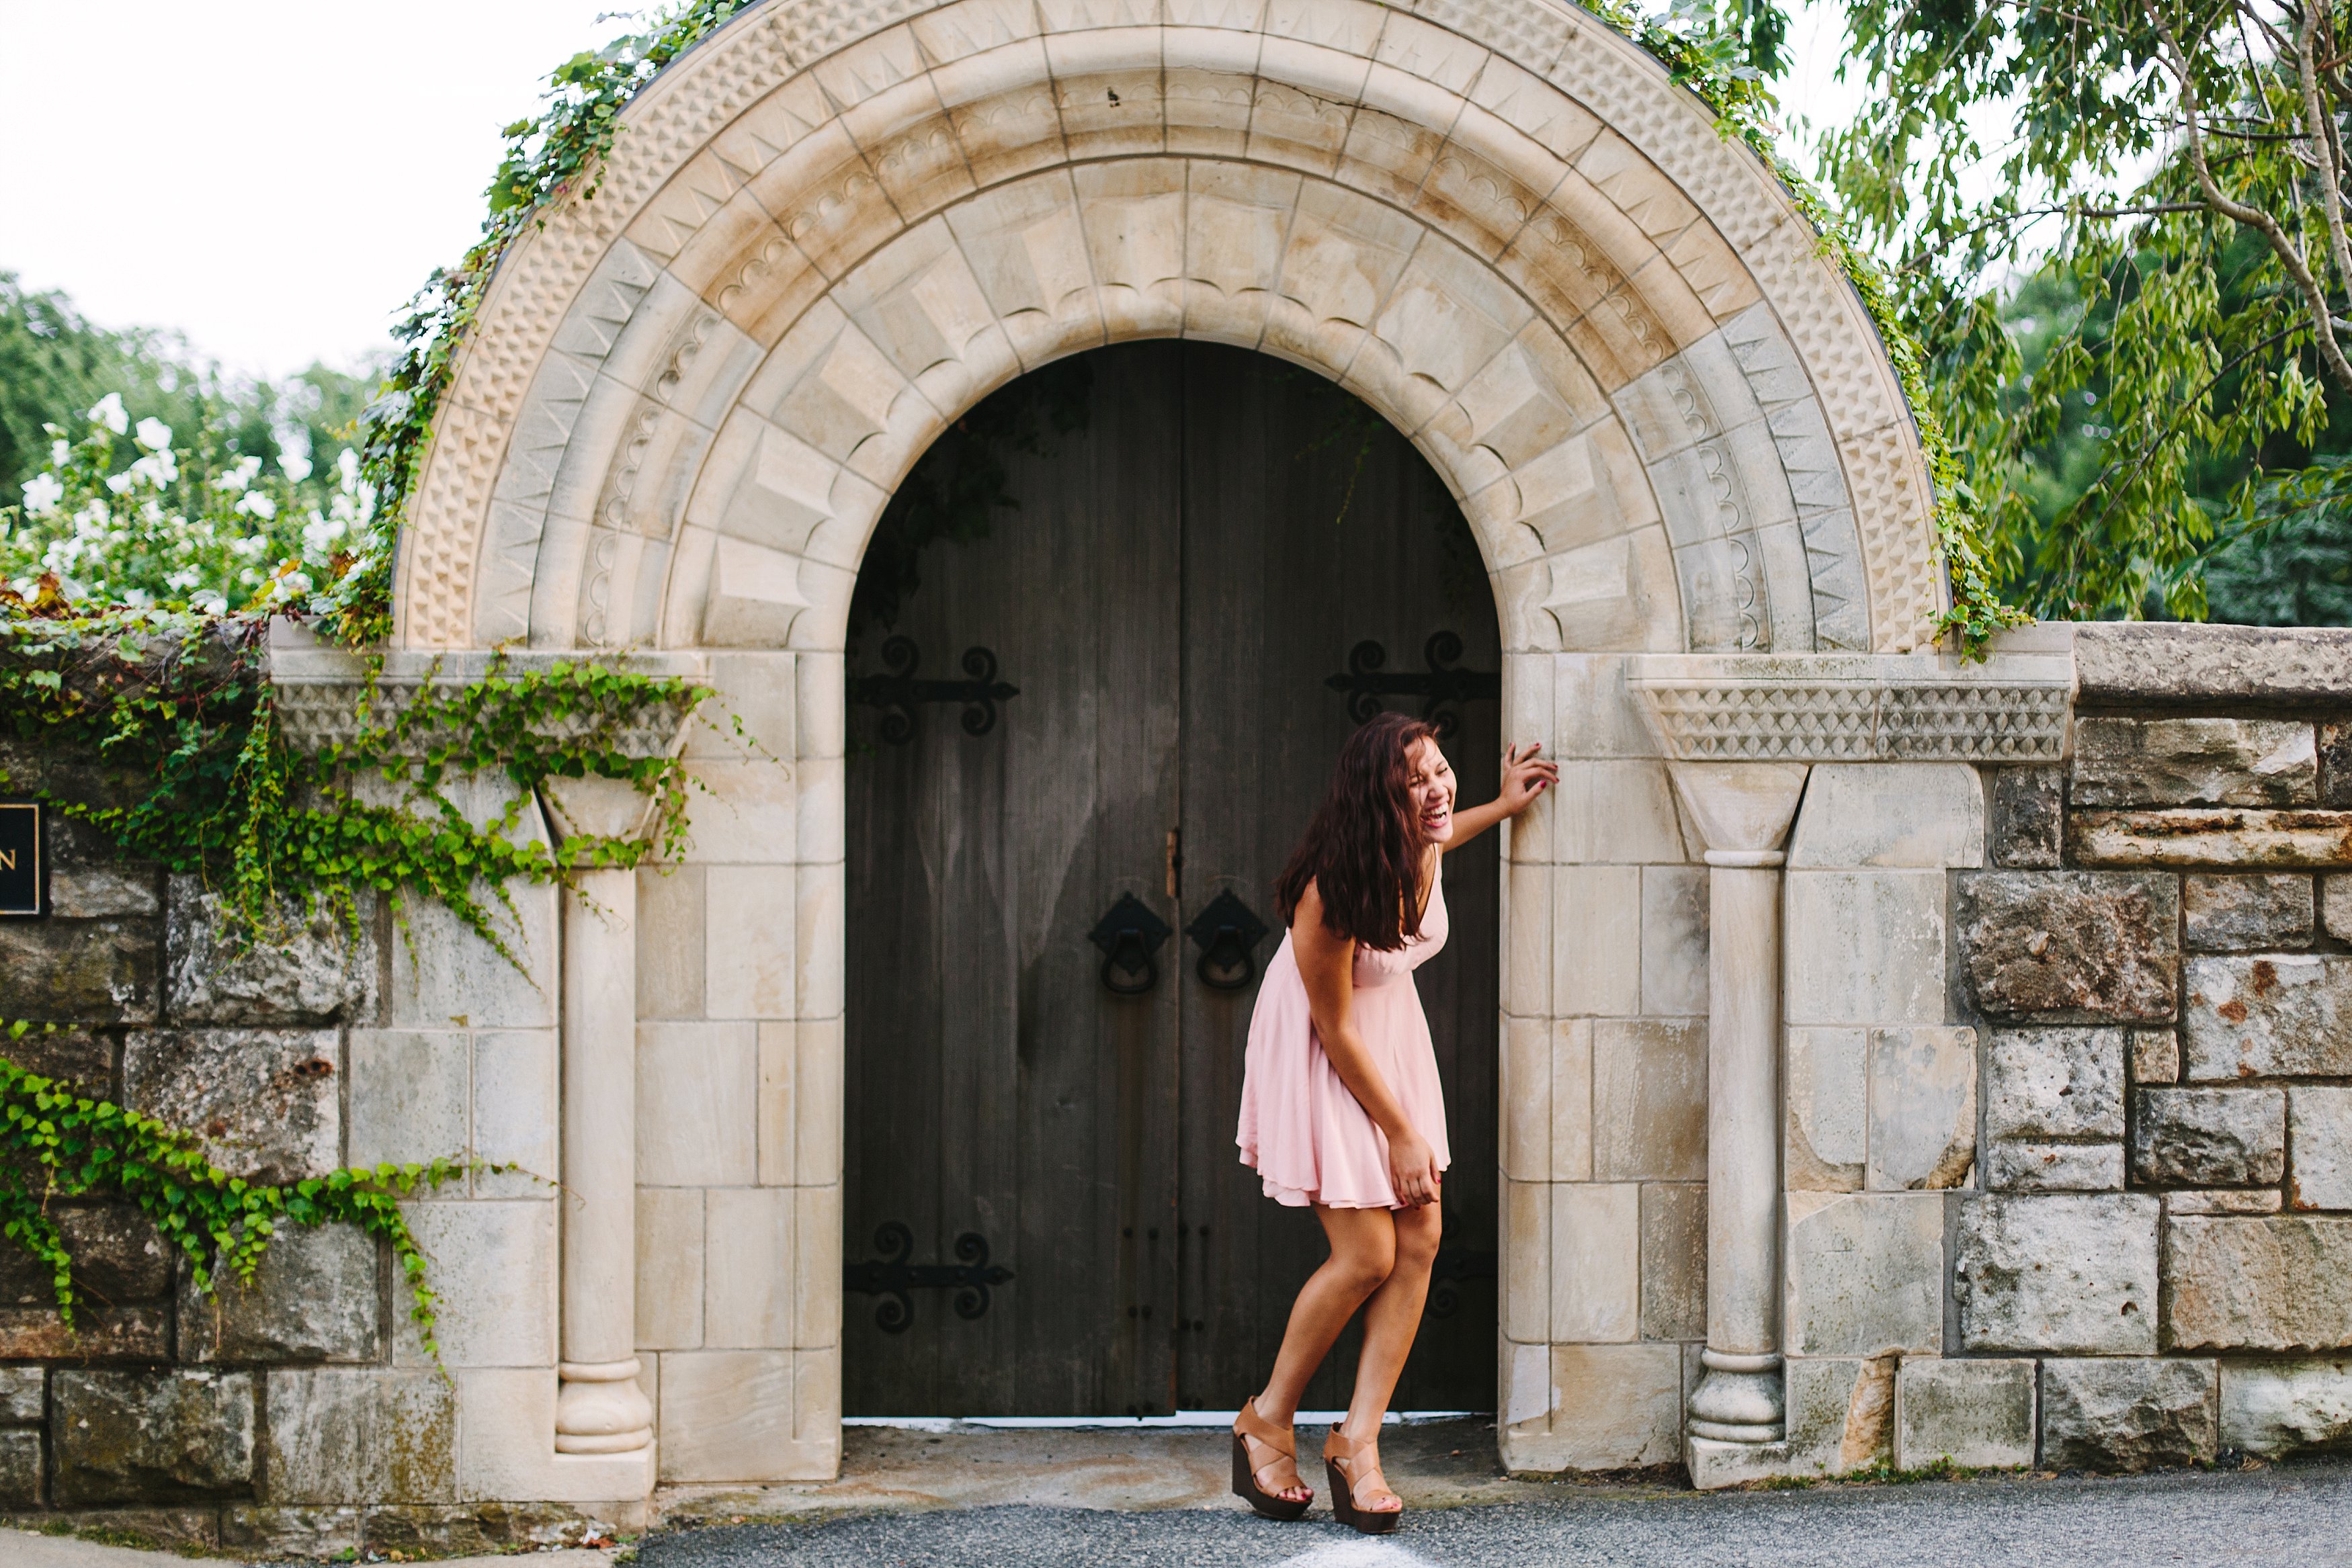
(1046,1214)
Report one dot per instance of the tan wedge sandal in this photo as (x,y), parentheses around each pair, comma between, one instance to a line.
(1363,1468)
(1250,1427)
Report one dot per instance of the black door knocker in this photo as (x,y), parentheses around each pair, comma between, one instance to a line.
(1227,933)
(1129,935)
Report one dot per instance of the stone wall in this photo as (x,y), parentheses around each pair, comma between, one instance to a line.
(299,1414)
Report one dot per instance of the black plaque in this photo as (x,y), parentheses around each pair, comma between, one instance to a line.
(24,860)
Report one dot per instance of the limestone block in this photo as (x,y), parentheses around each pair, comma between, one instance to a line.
(2336,903)
(728,1416)
(74,1056)
(816,1266)
(150,1436)
(2238,914)
(1673,1260)
(1923,1107)
(264,1104)
(2336,763)
(493,1265)
(24,1395)
(1674,941)
(2282,1407)
(443,976)
(1527,1261)
(1839,1412)
(749,944)
(1866,1273)
(2277,1015)
(2104,943)
(2029,817)
(360,1435)
(2153,662)
(2283,1282)
(98,1333)
(2193,762)
(506,1444)
(1649,1099)
(778,1119)
(2155,1056)
(2213,836)
(1604,811)
(516,1112)
(314,1533)
(748,1289)
(2024,1165)
(697,1104)
(1596,1262)
(94,891)
(670,1252)
(1865,948)
(314,966)
(1614,1406)
(2319,1131)
(410,1095)
(2209,1138)
(1571,1099)
(118,1256)
(746,813)
(2054,1084)
(669,941)
(315,1296)
(2128,1414)
(21,1465)
(1595,926)
(818,1108)
(1891,814)
(2066,1273)
(1827,1101)
(79,971)
(2225,1200)
(1977,1413)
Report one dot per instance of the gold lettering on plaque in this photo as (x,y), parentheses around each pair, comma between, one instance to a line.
(8,860)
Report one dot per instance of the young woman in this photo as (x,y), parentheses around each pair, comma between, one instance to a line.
(1341,1108)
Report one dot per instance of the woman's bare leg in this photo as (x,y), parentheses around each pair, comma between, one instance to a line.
(1364,1248)
(1392,1319)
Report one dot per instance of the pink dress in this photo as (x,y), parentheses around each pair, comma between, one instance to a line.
(1301,1128)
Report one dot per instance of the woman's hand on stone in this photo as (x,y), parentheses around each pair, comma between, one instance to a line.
(1413,1170)
(1526,775)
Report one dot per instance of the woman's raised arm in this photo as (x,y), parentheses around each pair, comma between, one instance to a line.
(1525,777)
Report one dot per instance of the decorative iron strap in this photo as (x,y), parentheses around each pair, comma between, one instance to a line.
(1439,688)
(891,1277)
(900,693)
(1453,1267)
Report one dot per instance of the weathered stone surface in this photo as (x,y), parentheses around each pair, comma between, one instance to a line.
(2022,1165)
(2065,1273)
(147,1436)
(315,1296)
(1840,1412)
(1977,1413)
(481,1529)
(2319,1130)
(79,971)
(2282,1282)
(2335,906)
(2155,1056)
(94,891)
(360,1435)
(2054,1084)
(1673,1260)
(264,1103)
(1828,1105)
(118,1256)
(2209,1138)
(194,1531)
(98,1333)
(2149,661)
(2225,1200)
(2029,817)
(23,1393)
(2278,1015)
(2193,762)
(2055,944)
(20,1469)
(2218,836)
(1890,814)
(1923,1107)
(74,1056)
(316,967)
(2240,913)
(2114,1413)
(2336,763)
(1866,1273)
(313,1533)
(2284,1407)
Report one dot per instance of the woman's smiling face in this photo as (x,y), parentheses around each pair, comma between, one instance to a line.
(1429,784)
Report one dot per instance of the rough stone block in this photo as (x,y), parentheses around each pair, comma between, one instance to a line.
(1890,814)
(2319,1130)
(2022,1165)
(2155,1056)
(2194,762)
(150,1437)
(479,1528)
(2070,1274)
(2117,1413)
(79,971)
(2218,836)
(2281,1014)
(2209,1138)
(98,1333)
(24,1395)
(360,1435)
(2285,1407)
(2057,944)
(2029,818)
(20,1469)
(1673,1260)
(2335,906)
(2152,662)
(74,1056)
(315,1296)
(1840,1412)
(264,1103)
(1977,1413)
(2280,1283)
(94,891)
(1923,1107)
(118,1256)
(1828,1100)
(2241,914)
(2336,763)
(1866,1273)
(317,1533)
(1649,1099)
(314,966)
(2054,1084)
(2225,1200)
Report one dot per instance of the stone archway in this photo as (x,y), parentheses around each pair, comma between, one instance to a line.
(829,230)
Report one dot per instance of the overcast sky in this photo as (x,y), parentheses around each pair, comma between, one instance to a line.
(276,177)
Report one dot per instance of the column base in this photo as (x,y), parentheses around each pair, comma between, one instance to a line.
(1738,1401)
(1715,1465)
(600,1410)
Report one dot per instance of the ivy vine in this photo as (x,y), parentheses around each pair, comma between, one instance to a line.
(57,1143)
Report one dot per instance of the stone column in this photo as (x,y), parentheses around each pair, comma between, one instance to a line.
(1743,810)
(599,1408)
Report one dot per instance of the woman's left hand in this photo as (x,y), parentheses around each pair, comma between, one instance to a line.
(1525,776)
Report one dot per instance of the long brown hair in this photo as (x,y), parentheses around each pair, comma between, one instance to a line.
(1362,849)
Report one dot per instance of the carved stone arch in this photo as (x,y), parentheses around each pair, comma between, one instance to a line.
(827,231)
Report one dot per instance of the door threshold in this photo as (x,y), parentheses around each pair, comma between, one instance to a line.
(1182,1418)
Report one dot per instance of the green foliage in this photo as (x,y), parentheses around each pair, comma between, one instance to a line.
(56,1142)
